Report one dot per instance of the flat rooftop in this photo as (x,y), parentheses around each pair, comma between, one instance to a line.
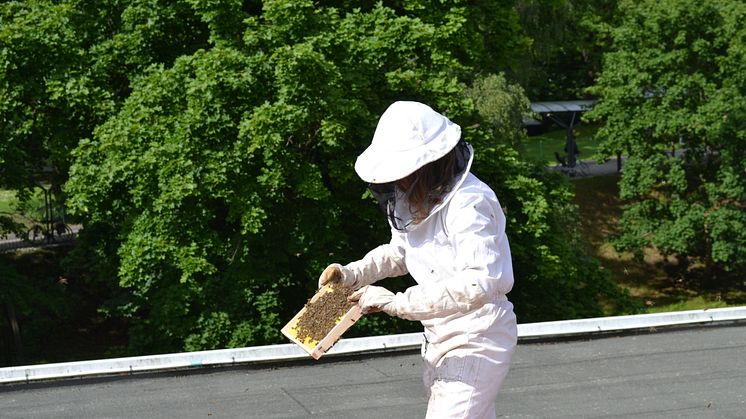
(685,372)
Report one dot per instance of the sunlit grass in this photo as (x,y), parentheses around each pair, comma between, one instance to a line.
(694,303)
(7,201)
(542,147)
(26,213)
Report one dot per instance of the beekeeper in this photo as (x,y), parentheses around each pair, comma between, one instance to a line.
(448,232)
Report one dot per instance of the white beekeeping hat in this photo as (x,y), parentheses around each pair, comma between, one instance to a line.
(409,135)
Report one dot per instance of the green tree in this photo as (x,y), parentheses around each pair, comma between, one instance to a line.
(34,305)
(227,178)
(674,80)
(66,66)
(567,44)
(208,147)
(555,277)
(502,106)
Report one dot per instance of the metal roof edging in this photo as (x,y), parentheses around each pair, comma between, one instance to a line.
(288,352)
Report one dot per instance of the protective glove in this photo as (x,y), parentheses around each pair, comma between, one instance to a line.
(338,274)
(372,299)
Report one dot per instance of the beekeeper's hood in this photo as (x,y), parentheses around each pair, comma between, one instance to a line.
(409,135)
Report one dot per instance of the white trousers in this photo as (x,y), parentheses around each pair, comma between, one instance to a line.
(466,381)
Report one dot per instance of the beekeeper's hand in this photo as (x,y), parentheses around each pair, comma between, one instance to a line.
(372,299)
(336,273)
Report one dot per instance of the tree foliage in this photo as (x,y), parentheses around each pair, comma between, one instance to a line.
(674,79)
(502,106)
(555,277)
(566,46)
(216,180)
(66,66)
(34,304)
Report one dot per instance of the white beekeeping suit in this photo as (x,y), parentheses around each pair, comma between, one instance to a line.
(458,255)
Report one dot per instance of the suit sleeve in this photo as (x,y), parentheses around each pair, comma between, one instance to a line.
(384,261)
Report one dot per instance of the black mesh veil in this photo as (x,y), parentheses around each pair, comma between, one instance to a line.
(387,194)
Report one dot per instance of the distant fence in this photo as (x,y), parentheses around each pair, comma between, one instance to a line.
(13,242)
